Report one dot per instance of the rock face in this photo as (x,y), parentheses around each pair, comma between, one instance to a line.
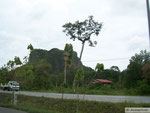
(54,57)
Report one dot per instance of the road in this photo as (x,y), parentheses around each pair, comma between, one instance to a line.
(101,98)
(8,110)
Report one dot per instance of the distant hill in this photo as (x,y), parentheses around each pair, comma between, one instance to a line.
(54,57)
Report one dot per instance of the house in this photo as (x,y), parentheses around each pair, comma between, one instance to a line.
(103,81)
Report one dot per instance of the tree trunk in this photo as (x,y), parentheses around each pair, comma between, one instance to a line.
(64,84)
(81,53)
(65,70)
(79,60)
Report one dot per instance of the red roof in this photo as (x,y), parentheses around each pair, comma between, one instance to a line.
(102,80)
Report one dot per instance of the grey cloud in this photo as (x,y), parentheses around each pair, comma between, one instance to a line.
(128,7)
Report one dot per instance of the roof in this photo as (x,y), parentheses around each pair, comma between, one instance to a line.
(102,81)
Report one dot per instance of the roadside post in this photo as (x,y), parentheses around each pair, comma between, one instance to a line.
(14,97)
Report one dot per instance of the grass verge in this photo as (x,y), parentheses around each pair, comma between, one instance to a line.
(50,105)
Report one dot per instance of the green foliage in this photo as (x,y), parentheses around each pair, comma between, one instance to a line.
(42,78)
(79,75)
(96,86)
(143,88)
(10,64)
(45,71)
(30,47)
(136,76)
(83,30)
(17,60)
(109,75)
(34,76)
(146,72)
(142,58)
(25,76)
(68,55)
(3,74)
(25,60)
(99,68)
(134,71)
(89,75)
(56,79)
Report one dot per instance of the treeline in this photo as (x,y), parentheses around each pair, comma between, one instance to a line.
(137,74)
(135,77)
(37,76)
(40,75)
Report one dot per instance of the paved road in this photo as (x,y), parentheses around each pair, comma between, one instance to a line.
(102,98)
(8,110)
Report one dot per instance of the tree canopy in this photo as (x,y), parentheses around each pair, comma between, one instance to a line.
(83,30)
(99,67)
(30,47)
(68,54)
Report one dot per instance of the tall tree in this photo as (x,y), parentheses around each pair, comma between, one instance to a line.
(83,31)
(68,56)
(134,69)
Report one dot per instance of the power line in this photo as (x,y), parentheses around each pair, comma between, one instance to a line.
(112,59)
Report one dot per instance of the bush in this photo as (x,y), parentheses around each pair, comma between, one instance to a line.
(143,88)
(95,86)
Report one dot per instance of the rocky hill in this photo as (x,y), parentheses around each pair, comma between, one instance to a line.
(54,57)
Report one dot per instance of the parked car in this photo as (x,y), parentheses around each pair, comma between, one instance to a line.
(11,85)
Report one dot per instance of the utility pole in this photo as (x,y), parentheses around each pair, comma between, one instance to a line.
(148,14)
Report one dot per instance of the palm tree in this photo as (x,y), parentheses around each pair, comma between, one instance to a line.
(68,56)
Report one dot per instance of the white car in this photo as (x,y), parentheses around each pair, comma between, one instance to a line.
(12,85)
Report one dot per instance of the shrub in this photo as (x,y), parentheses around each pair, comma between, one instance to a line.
(143,88)
(95,86)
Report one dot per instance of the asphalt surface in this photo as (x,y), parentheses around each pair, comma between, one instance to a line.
(8,110)
(101,98)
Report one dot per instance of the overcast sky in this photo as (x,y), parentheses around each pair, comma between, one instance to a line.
(39,22)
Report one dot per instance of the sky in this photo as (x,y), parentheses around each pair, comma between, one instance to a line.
(39,22)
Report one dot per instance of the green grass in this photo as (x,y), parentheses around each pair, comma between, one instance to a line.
(50,105)
(28,109)
(22,104)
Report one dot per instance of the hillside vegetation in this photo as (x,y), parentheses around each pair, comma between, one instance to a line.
(45,71)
